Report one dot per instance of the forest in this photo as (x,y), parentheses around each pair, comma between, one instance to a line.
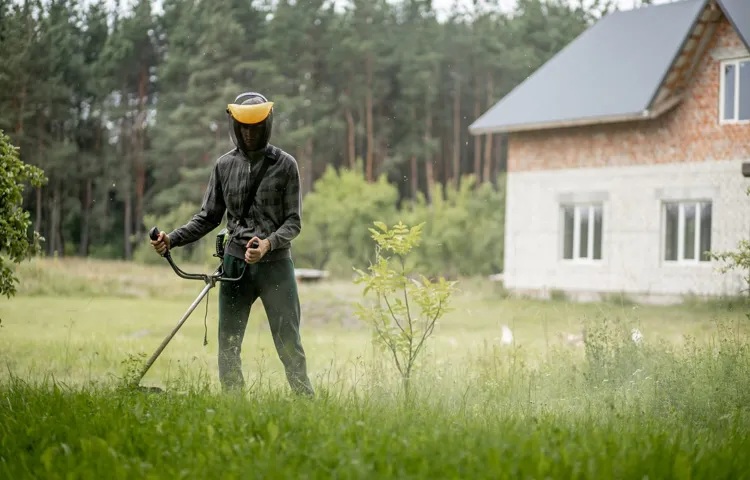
(124,110)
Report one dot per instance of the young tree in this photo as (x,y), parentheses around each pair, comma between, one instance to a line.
(399,327)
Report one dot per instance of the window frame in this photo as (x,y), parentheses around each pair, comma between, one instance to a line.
(578,207)
(681,204)
(722,91)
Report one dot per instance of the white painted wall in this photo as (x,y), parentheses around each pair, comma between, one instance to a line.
(632,229)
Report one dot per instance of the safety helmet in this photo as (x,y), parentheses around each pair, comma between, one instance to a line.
(250,121)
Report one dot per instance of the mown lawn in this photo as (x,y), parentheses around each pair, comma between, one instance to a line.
(673,406)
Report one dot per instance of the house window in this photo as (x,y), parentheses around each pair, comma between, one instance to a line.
(687,231)
(735,91)
(582,232)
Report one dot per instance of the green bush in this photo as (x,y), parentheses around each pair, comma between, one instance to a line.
(336,216)
(464,231)
(14,220)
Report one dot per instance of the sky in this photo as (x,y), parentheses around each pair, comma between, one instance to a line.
(444,6)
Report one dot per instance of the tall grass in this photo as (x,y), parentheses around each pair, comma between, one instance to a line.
(675,405)
(617,410)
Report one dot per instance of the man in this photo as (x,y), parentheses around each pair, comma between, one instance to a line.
(259,242)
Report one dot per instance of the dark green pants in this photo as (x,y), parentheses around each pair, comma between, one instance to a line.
(276,286)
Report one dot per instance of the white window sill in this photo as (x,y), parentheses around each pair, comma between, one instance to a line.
(683,264)
(734,122)
(581,262)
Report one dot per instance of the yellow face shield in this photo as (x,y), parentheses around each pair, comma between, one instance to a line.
(250,114)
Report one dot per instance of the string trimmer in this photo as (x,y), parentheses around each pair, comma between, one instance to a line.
(210,282)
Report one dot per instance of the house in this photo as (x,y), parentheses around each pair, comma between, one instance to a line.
(625,156)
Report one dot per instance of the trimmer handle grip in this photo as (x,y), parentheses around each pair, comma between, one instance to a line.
(154,233)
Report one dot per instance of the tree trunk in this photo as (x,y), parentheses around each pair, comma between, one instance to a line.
(88,194)
(128,221)
(50,233)
(38,222)
(381,150)
(54,224)
(40,149)
(308,178)
(22,100)
(413,166)
(447,144)
(303,169)
(350,136)
(428,158)
(414,177)
(487,177)
(457,133)
(88,199)
(488,158)
(140,168)
(369,120)
(500,157)
(477,138)
(429,173)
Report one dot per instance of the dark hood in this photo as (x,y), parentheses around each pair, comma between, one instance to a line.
(259,134)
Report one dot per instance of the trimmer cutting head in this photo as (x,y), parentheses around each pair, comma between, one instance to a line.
(144,389)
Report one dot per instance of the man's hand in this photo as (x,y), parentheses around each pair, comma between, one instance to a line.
(161,244)
(253,255)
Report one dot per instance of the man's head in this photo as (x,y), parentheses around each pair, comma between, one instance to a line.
(251,119)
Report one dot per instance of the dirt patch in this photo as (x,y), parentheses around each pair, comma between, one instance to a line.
(330,310)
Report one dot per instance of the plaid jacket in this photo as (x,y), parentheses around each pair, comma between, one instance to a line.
(275,214)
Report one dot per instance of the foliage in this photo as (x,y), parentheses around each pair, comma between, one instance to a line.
(464,231)
(398,326)
(335,216)
(14,220)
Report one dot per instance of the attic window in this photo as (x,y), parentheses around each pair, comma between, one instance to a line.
(735,91)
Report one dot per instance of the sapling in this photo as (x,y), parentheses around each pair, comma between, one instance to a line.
(406,309)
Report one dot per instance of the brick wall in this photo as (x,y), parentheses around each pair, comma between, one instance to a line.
(688,133)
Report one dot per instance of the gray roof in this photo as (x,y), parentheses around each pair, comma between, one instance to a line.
(612,70)
(738,12)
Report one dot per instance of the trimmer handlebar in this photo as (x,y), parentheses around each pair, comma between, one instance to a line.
(217,276)
(210,281)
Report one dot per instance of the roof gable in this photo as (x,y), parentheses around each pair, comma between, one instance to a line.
(603,74)
(738,13)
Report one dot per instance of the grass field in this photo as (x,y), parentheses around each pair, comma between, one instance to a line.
(673,406)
